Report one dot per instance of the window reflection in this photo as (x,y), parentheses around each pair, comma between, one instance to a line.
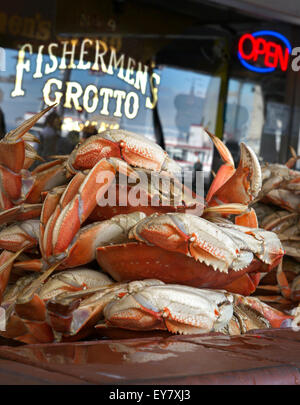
(187,103)
(244,118)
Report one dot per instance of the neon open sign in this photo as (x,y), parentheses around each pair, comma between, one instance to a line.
(259,45)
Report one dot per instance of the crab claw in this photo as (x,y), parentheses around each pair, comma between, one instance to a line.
(275,317)
(31,302)
(235,186)
(72,313)
(293,159)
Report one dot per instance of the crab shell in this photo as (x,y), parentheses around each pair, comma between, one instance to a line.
(136,150)
(143,305)
(176,308)
(186,249)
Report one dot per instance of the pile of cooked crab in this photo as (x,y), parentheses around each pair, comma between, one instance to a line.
(278,210)
(73,267)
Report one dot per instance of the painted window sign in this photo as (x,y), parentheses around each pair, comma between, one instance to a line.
(259,51)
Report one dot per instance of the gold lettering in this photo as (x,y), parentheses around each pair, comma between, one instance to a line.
(130,71)
(99,55)
(81,64)
(14,24)
(47,90)
(48,68)
(135,105)
(21,66)
(28,27)
(113,62)
(106,93)
(119,95)
(43,30)
(73,96)
(65,52)
(151,104)
(141,78)
(90,89)
(39,61)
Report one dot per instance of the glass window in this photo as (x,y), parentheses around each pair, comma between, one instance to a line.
(109,95)
(185,108)
(244,118)
(260,97)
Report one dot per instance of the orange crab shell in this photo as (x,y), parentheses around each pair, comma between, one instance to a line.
(138,261)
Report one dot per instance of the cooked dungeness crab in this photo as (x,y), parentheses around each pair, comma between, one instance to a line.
(64,227)
(176,248)
(281,185)
(95,165)
(190,250)
(281,287)
(75,303)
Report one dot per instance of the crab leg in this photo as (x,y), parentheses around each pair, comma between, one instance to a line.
(12,150)
(5,270)
(76,204)
(15,156)
(83,248)
(44,178)
(19,236)
(23,330)
(79,208)
(52,208)
(35,265)
(20,212)
(282,282)
(71,313)
(30,154)
(49,206)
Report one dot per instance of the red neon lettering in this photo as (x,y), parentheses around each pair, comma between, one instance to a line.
(241,46)
(260,47)
(283,59)
(271,57)
(274,54)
